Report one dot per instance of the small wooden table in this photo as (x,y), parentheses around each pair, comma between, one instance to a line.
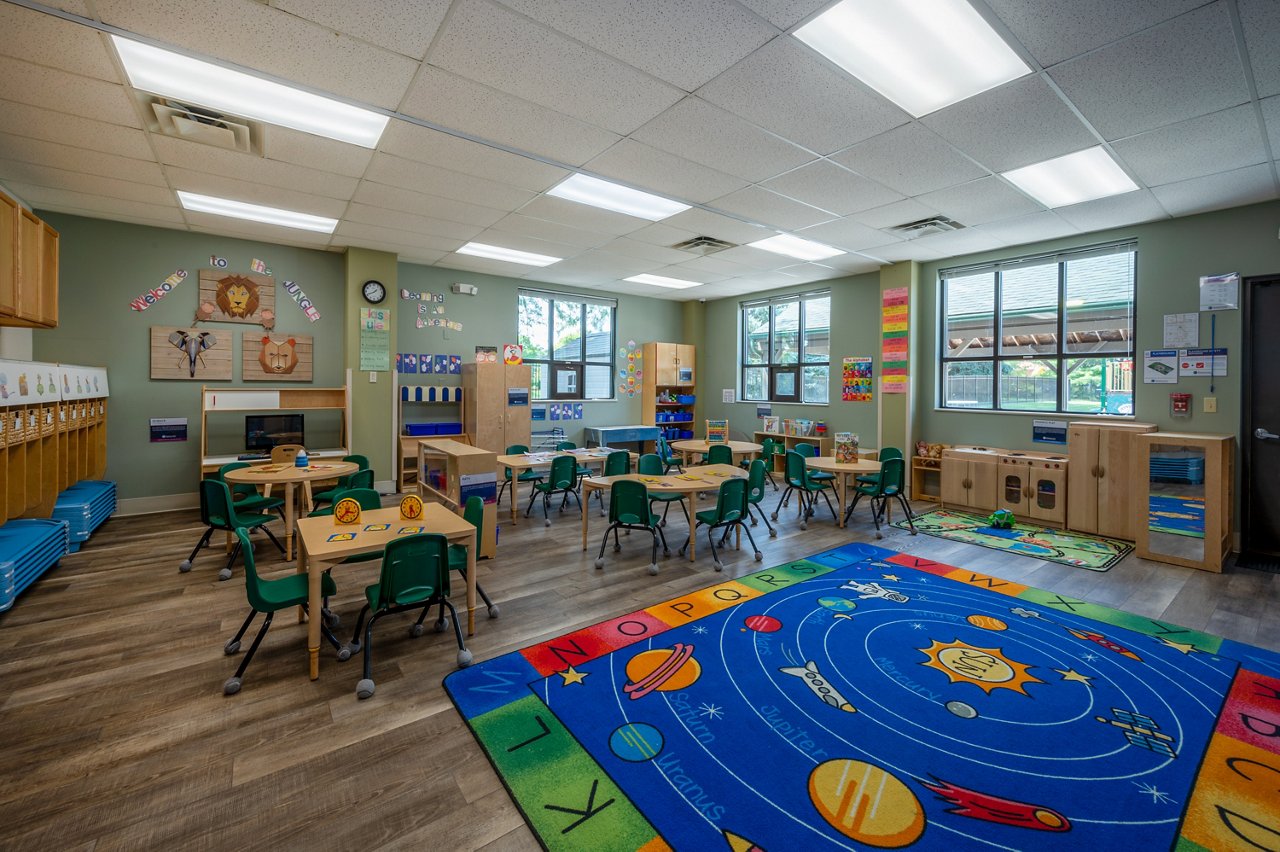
(689,449)
(844,471)
(290,477)
(695,479)
(518,463)
(316,554)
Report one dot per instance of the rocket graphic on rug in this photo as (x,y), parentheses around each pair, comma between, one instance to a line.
(819,686)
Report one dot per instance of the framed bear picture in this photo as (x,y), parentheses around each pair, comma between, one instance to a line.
(272,357)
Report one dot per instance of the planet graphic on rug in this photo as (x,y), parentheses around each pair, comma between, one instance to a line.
(762,623)
(661,669)
(838,604)
(986,622)
(636,742)
(864,802)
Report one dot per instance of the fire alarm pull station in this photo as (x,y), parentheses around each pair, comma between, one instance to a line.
(1180,404)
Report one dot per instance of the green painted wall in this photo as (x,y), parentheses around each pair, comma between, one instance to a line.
(104,266)
(855,317)
(489,319)
(372,402)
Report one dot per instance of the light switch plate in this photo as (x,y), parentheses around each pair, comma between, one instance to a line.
(1210,405)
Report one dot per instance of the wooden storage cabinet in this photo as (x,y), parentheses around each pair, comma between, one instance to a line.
(1099,485)
(28,268)
(669,369)
(1033,486)
(487,419)
(673,364)
(969,478)
(1211,483)
(8,256)
(450,471)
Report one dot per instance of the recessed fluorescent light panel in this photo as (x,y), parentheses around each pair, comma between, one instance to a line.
(256,213)
(1082,176)
(796,247)
(173,75)
(509,255)
(620,199)
(662,281)
(923,56)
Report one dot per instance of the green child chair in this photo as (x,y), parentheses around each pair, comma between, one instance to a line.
(652,465)
(245,497)
(807,486)
(669,459)
(730,511)
(629,509)
(527,476)
(351,480)
(719,454)
(217,512)
(472,513)
(768,449)
(885,454)
(615,464)
(561,479)
(570,445)
(888,486)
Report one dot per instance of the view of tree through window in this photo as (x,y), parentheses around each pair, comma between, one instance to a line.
(786,349)
(568,344)
(1041,334)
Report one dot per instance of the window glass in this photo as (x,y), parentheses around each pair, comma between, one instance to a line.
(755,335)
(786,349)
(1100,385)
(967,384)
(755,383)
(817,333)
(566,332)
(1100,304)
(1029,310)
(599,332)
(970,318)
(535,326)
(1029,384)
(786,333)
(815,384)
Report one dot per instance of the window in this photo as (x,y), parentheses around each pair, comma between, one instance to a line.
(568,344)
(786,349)
(1051,333)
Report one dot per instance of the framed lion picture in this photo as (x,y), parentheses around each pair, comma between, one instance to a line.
(272,357)
(237,297)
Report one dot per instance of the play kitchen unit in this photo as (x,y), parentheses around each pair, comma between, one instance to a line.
(1032,485)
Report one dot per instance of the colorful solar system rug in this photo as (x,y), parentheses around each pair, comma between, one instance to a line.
(1177,515)
(1068,548)
(863,698)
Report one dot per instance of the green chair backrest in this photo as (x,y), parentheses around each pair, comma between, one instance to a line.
(216,509)
(362,461)
(806,450)
(566,445)
(243,488)
(719,454)
(731,500)
(413,569)
(617,463)
(890,453)
(362,478)
(366,497)
(755,481)
(892,472)
(795,471)
(473,513)
(768,448)
(564,472)
(253,584)
(514,450)
(629,503)
(649,465)
(664,449)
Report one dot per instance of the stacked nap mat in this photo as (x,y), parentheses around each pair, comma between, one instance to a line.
(28,548)
(85,506)
(1177,467)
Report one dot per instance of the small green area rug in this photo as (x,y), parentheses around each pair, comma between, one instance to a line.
(1069,548)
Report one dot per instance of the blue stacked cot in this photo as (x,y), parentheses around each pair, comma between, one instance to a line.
(84,506)
(28,548)
(1177,467)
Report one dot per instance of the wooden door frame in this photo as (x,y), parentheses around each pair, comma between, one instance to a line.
(1246,399)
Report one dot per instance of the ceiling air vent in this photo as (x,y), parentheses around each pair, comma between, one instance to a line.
(926,227)
(198,124)
(703,245)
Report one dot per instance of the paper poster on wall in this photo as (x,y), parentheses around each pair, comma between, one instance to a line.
(155,294)
(375,339)
(424,362)
(1049,432)
(512,354)
(855,385)
(1220,292)
(577,411)
(441,364)
(486,354)
(168,429)
(538,413)
(894,322)
(1181,331)
(726,395)
(1202,362)
(1160,367)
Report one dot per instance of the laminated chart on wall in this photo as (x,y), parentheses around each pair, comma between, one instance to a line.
(375,339)
(855,384)
(894,315)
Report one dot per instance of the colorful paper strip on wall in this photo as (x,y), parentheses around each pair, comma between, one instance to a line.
(301,299)
(856,384)
(894,343)
(155,294)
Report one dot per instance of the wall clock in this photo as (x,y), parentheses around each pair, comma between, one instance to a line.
(373,292)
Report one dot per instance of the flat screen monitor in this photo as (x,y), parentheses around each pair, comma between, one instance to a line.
(264,431)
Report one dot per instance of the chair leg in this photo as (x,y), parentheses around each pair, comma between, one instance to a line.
(715,557)
(364,689)
(464,656)
(502,486)
(355,636)
(225,573)
(906,510)
(233,684)
(604,541)
(533,495)
(653,552)
(546,508)
(685,510)
(693,530)
(768,474)
(781,502)
(273,538)
(666,551)
(234,645)
(186,564)
(827,497)
(747,530)
(760,511)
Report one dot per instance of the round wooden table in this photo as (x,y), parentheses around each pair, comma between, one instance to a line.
(290,477)
(689,449)
(844,471)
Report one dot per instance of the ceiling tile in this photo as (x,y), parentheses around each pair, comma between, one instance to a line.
(1261,22)
(987,199)
(845,264)
(405,26)
(707,224)
(316,152)
(1114,212)
(542,229)
(890,215)
(767,281)
(908,250)
(112,216)
(424,145)
(911,159)
(408,254)
(254,193)
(399,220)
(684,43)
(433,180)
(1018,124)
(785,14)
(1057,31)
(658,171)
(772,209)
(46,40)
(660,234)
(250,167)
(582,216)
(260,37)
(358,233)
(27,120)
(82,182)
(706,134)
(806,273)
(1214,192)
(1045,225)
(604,266)
(1159,76)
(456,102)
(433,206)
(965,241)
(494,237)
(694,270)
(848,235)
(484,265)
(1219,142)
(51,198)
(790,90)
(492,45)
(51,88)
(756,259)
(38,151)
(207,223)
(828,186)
(1271,118)
(645,251)
(75,7)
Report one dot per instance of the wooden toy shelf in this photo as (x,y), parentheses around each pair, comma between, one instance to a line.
(926,479)
(824,444)
(450,471)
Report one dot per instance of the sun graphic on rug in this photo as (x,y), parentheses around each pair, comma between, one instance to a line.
(987,668)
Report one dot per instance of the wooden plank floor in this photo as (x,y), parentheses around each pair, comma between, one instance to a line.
(114,733)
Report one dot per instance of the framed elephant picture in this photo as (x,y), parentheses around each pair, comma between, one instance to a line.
(271,357)
(237,297)
(190,354)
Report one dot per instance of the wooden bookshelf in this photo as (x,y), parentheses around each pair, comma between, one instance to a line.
(450,471)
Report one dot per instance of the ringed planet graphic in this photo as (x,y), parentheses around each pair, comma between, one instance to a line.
(661,669)
(763,623)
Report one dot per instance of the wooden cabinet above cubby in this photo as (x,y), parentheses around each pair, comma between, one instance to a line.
(28,268)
